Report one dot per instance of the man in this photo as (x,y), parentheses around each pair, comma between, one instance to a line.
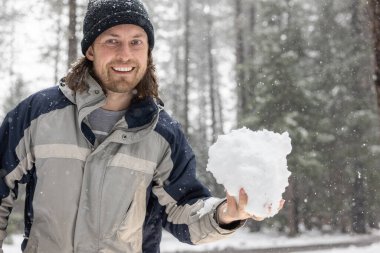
(104,165)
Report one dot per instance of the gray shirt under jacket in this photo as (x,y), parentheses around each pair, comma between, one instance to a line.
(102,121)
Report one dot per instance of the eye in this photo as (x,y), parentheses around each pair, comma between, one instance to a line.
(112,42)
(136,42)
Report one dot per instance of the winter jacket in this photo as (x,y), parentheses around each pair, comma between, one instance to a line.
(112,197)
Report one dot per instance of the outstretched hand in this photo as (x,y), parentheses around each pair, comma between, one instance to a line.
(232,211)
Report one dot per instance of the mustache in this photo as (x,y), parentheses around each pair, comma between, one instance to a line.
(118,62)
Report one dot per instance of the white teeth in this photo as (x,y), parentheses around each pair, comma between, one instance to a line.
(123,69)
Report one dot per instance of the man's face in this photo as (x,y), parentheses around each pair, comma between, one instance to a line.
(120,57)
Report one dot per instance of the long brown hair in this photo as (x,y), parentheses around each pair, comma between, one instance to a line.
(147,87)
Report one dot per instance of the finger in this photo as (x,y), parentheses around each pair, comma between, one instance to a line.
(231,203)
(243,200)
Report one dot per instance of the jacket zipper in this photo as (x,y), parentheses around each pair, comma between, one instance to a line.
(100,200)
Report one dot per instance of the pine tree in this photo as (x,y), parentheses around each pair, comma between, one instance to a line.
(345,123)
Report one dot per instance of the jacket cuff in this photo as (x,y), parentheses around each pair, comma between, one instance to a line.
(230,226)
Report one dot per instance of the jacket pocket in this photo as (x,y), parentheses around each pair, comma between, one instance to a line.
(117,226)
(129,228)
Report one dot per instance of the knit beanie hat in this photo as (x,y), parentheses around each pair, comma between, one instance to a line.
(104,14)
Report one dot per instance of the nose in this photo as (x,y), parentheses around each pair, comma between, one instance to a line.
(124,52)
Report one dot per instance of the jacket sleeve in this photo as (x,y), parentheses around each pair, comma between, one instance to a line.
(14,159)
(188,206)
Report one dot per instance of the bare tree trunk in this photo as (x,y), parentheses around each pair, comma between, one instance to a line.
(251,47)
(374,9)
(72,48)
(186,66)
(220,110)
(58,45)
(177,96)
(358,205)
(239,53)
(292,207)
(211,78)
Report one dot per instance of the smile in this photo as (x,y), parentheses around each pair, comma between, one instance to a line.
(126,69)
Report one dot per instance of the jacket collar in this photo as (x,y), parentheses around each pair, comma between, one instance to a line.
(139,114)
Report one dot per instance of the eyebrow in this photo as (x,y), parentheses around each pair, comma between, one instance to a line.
(138,35)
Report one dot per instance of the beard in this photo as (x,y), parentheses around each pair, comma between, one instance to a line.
(118,82)
(119,85)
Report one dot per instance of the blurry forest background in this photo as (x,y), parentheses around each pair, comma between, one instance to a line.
(303,66)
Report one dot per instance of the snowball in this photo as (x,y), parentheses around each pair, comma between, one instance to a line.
(255,161)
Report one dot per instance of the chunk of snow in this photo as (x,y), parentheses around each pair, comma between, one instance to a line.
(255,161)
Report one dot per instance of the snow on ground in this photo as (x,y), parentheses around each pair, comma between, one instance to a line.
(245,240)
(242,239)
(374,248)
